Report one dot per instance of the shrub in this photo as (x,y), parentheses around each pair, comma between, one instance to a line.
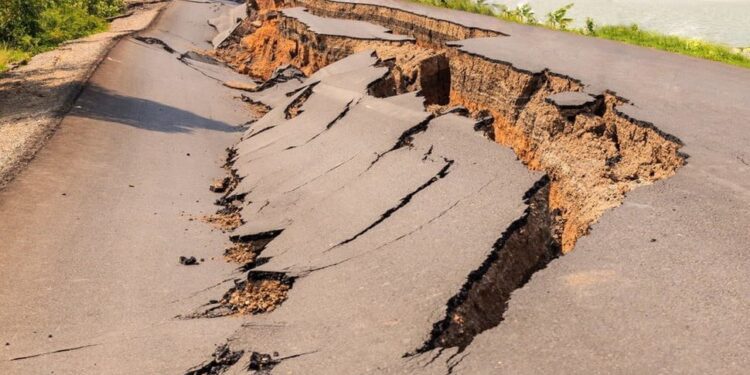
(66,22)
(558,19)
(522,14)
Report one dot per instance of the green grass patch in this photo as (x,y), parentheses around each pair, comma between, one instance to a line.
(633,34)
(690,47)
(10,56)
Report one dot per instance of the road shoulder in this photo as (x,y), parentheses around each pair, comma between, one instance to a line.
(34,98)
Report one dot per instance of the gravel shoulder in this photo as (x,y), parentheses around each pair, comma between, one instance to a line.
(35,97)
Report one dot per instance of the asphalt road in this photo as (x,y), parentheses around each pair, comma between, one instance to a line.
(384,213)
(92,231)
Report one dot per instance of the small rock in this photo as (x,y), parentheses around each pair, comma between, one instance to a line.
(653,240)
(188,261)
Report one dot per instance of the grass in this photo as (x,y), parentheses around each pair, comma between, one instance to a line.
(690,47)
(626,34)
(10,56)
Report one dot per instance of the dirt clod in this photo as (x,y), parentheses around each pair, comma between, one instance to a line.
(188,261)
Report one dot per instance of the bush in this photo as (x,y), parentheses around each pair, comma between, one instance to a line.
(36,25)
(558,19)
(66,22)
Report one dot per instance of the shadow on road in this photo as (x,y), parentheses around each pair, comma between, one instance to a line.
(102,104)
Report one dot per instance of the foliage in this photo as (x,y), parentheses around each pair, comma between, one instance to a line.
(558,19)
(522,14)
(38,25)
(66,22)
(590,26)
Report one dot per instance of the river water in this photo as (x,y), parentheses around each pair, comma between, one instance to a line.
(724,21)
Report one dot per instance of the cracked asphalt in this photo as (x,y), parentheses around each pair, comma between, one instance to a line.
(380,212)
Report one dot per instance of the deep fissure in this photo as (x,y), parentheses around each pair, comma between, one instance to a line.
(526,246)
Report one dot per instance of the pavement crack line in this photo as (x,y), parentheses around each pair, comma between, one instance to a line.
(267,128)
(324,173)
(294,108)
(403,202)
(404,140)
(526,246)
(154,41)
(54,352)
(333,122)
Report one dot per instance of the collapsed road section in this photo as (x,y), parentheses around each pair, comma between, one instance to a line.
(374,187)
(349,166)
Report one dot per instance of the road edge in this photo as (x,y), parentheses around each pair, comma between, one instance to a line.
(49,122)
